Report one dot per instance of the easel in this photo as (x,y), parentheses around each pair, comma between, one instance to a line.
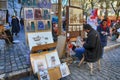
(54,73)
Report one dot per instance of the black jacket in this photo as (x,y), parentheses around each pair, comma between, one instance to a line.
(93,47)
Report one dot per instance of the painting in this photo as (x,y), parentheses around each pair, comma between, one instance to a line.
(52,59)
(2,16)
(39,38)
(40,64)
(75,3)
(79,42)
(64,70)
(40,25)
(44,4)
(29,14)
(44,75)
(30,25)
(75,15)
(46,14)
(37,13)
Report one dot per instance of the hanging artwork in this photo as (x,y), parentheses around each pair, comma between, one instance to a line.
(41,25)
(52,59)
(37,14)
(39,38)
(40,64)
(46,14)
(28,12)
(32,26)
(44,4)
(64,70)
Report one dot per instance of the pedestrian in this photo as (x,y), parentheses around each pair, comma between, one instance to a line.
(104,32)
(15,25)
(22,23)
(92,49)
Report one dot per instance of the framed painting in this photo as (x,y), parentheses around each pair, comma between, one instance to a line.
(3,16)
(64,70)
(39,38)
(44,75)
(46,14)
(29,13)
(30,25)
(75,15)
(40,25)
(75,3)
(37,13)
(52,59)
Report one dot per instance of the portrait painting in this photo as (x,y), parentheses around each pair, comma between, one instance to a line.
(41,25)
(37,13)
(44,75)
(29,14)
(64,70)
(40,64)
(52,59)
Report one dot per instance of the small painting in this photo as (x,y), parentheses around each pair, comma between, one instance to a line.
(52,59)
(37,14)
(44,75)
(64,70)
(28,12)
(41,25)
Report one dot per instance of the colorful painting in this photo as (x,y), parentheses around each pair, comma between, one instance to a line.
(64,70)
(39,38)
(41,25)
(30,25)
(52,59)
(37,14)
(28,12)
(44,4)
(46,14)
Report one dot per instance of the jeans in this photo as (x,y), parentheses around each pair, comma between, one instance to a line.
(79,52)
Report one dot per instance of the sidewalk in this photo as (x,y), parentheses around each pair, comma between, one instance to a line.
(14,59)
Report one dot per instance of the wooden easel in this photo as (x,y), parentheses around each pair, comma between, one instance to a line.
(54,73)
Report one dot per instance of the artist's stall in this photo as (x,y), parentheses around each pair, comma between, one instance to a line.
(74,17)
(44,56)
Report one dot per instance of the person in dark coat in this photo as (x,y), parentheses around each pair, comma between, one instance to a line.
(15,25)
(92,48)
(104,32)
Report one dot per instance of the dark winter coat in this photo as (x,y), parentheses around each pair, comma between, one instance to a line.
(15,25)
(93,48)
(102,36)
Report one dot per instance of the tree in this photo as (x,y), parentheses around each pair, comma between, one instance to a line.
(116,8)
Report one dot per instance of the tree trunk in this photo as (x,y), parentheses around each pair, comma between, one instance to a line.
(59,17)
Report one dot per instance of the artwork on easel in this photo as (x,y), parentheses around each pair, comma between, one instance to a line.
(41,25)
(40,64)
(28,12)
(37,14)
(64,70)
(52,59)
(39,38)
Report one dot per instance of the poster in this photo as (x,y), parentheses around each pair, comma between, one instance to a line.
(40,64)
(39,38)
(41,25)
(52,59)
(64,70)
(29,14)
(37,13)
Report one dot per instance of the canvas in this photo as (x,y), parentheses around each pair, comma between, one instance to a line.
(52,59)
(39,38)
(41,25)
(2,16)
(28,12)
(40,64)
(46,14)
(79,42)
(44,75)
(64,70)
(37,13)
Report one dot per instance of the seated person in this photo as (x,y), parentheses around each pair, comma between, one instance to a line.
(92,48)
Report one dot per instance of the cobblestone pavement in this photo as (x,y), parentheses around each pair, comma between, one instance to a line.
(110,69)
